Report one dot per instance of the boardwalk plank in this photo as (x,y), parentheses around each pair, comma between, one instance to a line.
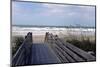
(69,52)
(43,55)
(70,59)
(60,56)
(78,51)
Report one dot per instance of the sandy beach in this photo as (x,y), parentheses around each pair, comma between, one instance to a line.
(39,33)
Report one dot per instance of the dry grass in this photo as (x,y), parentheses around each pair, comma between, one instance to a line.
(86,43)
(16,42)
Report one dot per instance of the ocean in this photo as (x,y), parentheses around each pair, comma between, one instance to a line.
(41,30)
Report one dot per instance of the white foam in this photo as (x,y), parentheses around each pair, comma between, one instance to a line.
(54,30)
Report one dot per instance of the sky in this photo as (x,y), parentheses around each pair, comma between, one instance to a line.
(30,13)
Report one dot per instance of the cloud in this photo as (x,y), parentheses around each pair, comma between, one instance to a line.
(53,9)
(66,10)
(55,13)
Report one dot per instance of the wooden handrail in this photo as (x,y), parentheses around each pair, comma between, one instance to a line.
(68,49)
(22,56)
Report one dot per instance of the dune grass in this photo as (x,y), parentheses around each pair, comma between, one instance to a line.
(85,43)
(16,42)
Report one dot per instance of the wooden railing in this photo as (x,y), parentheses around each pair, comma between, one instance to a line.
(23,54)
(65,51)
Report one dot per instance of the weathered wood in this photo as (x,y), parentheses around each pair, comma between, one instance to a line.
(42,54)
(78,51)
(68,50)
(70,53)
(68,57)
(22,56)
(60,56)
(73,57)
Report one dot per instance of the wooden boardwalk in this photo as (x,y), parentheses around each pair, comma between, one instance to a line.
(41,54)
(66,51)
(52,51)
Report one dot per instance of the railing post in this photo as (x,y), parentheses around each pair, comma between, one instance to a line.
(28,46)
(46,36)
